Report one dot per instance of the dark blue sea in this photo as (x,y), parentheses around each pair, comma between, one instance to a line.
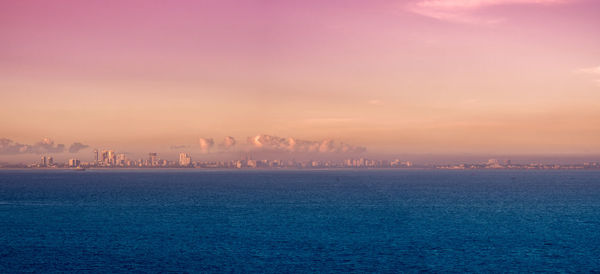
(299,221)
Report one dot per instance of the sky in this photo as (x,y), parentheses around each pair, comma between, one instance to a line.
(339,76)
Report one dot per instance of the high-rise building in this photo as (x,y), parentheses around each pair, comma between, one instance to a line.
(104,157)
(109,158)
(153,159)
(185,160)
(112,158)
(121,159)
(74,162)
(96,156)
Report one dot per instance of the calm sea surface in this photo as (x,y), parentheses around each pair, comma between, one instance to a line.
(299,221)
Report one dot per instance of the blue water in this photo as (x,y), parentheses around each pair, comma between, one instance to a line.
(299,221)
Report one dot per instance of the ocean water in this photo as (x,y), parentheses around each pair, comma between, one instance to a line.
(299,221)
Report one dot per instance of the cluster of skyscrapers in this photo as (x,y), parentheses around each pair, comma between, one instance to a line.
(46,161)
(110,159)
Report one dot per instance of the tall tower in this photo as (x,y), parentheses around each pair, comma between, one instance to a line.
(104,157)
(185,160)
(111,158)
(96,156)
(153,158)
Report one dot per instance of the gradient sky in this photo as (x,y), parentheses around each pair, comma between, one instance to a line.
(422,76)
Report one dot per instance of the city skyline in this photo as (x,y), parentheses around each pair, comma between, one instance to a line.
(111,159)
(270,158)
(484,77)
(265,147)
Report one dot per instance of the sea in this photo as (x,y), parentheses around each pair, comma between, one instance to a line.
(299,221)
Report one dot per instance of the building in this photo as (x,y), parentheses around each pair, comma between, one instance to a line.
(109,158)
(74,163)
(46,161)
(121,159)
(96,159)
(185,160)
(153,159)
(493,163)
(112,158)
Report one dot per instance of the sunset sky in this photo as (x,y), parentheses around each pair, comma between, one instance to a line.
(422,76)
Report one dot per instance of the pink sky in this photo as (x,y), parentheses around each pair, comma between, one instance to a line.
(424,76)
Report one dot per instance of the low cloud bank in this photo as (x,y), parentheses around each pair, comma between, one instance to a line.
(76,147)
(175,147)
(206,144)
(46,145)
(275,143)
(271,144)
(228,143)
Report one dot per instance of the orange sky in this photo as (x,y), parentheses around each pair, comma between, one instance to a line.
(423,76)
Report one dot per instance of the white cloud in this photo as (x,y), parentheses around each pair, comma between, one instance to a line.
(593,71)
(206,144)
(228,143)
(375,102)
(176,147)
(462,11)
(328,120)
(275,143)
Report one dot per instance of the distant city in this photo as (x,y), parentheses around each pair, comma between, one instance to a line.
(111,159)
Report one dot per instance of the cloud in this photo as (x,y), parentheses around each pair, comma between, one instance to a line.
(375,102)
(76,147)
(228,143)
(206,144)
(174,147)
(463,11)
(275,143)
(593,71)
(8,146)
(46,145)
(329,120)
